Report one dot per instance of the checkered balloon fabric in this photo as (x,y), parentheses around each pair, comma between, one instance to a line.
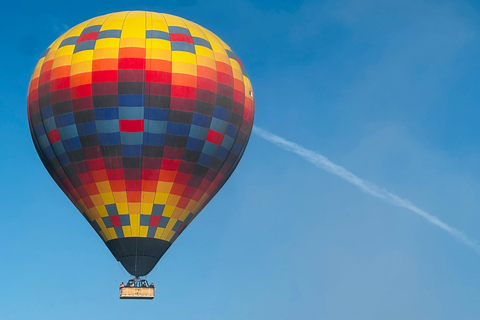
(140,118)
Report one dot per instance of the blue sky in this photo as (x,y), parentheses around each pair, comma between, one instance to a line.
(387,89)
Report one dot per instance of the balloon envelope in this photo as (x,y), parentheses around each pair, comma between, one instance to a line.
(140,118)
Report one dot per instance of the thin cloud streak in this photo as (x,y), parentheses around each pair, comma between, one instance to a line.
(323,163)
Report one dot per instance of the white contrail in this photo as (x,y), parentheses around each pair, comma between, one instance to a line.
(322,162)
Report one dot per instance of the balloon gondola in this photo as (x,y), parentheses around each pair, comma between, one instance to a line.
(140,118)
(137,289)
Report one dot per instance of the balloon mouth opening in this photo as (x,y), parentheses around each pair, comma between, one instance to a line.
(138,255)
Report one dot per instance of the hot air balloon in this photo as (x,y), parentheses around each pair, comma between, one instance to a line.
(140,118)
